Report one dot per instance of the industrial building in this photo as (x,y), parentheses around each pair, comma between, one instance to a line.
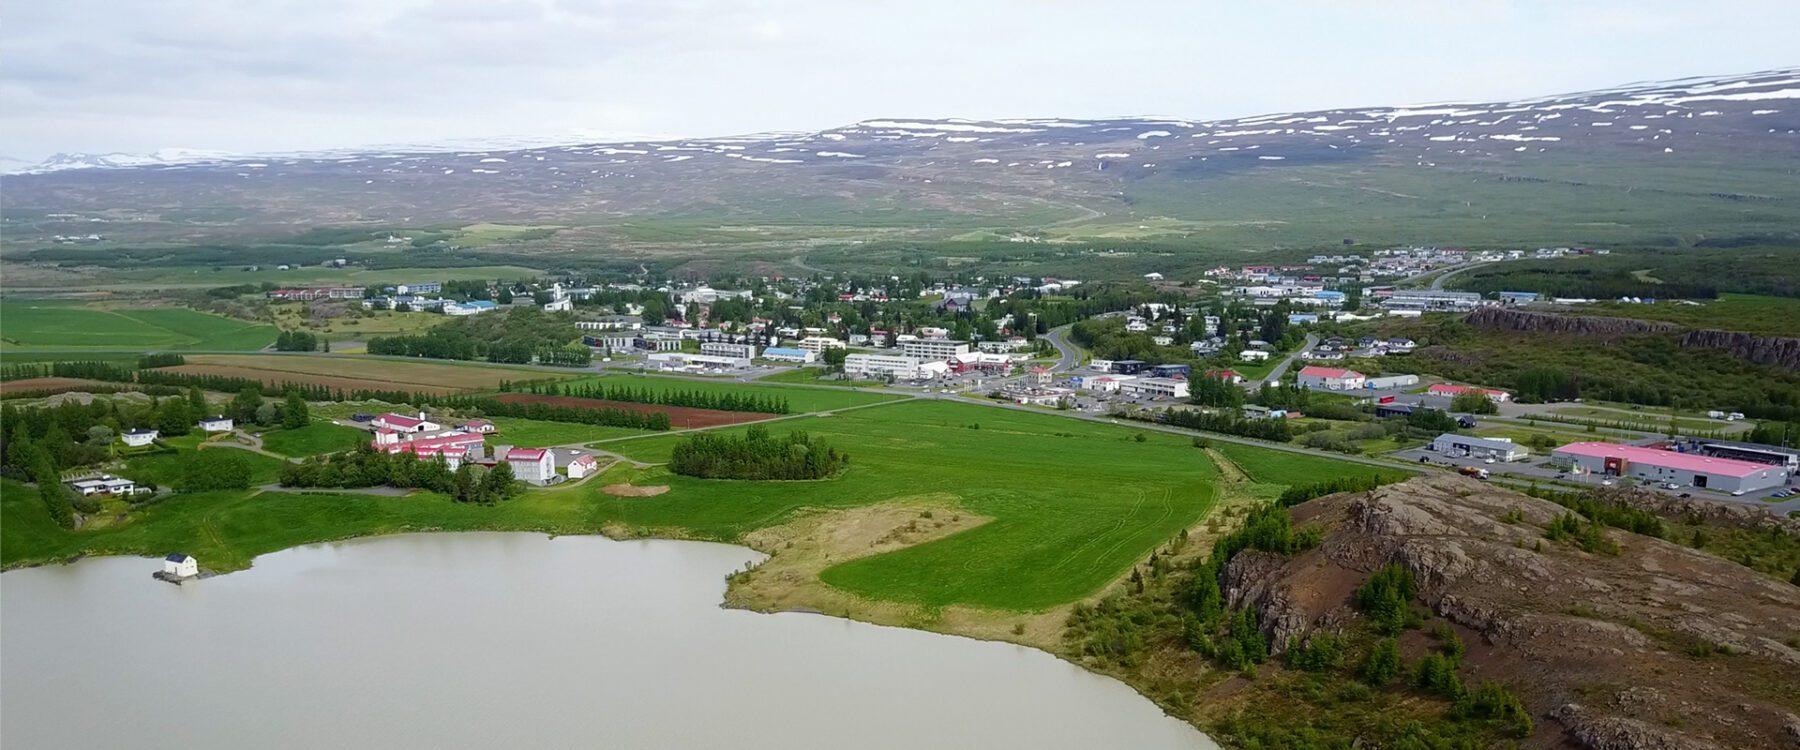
(1155,387)
(1329,378)
(726,349)
(896,366)
(938,349)
(1670,467)
(1463,446)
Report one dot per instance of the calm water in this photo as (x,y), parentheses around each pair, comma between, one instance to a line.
(510,640)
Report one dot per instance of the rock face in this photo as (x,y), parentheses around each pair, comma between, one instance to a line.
(1659,646)
(1763,350)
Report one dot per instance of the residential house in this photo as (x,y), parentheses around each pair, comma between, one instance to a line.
(139,437)
(219,423)
(1329,378)
(532,465)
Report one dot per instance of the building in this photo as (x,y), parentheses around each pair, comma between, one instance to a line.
(1393,409)
(1464,446)
(1155,387)
(533,465)
(469,308)
(818,344)
(679,360)
(724,349)
(139,437)
(1388,382)
(1427,299)
(788,354)
(1230,376)
(896,366)
(1171,371)
(938,349)
(453,447)
(404,424)
(105,484)
(1329,378)
(1663,466)
(480,426)
(423,287)
(581,466)
(612,341)
(1450,390)
(1128,366)
(1253,355)
(181,566)
(219,423)
(1039,376)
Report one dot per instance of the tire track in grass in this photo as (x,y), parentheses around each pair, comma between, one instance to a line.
(1168,505)
(1073,553)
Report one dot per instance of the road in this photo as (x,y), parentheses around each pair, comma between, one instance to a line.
(1281,367)
(1437,284)
(1069,355)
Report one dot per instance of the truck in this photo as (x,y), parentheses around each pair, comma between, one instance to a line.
(1471,471)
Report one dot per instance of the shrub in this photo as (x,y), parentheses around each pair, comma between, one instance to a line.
(1386,598)
(1382,666)
(756,455)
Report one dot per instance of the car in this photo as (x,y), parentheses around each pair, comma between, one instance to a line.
(1488,461)
(1687,494)
(1671,486)
(1606,482)
(1737,493)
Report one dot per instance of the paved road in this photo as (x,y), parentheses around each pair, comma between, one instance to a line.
(1069,355)
(1437,284)
(1281,367)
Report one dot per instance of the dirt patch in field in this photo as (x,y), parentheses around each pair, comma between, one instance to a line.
(632,490)
(680,417)
(48,386)
(305,378)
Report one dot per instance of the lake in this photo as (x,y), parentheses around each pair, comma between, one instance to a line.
(495,640)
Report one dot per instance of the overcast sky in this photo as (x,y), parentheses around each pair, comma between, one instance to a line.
(272,75)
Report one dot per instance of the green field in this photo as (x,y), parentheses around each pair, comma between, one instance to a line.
(1072,504)
(167,277)
(313,439)
(1268,466)
(60,325)
(800,399)
(814,376)
(534,433)
(1751,313)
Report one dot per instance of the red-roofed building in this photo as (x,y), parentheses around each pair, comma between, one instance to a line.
(1230,376)
(454,447)
(1040,375)
(480,425)
(581,466)
(1661,466)
(1330,378)
(403,423)
(534,465)
(1450,390)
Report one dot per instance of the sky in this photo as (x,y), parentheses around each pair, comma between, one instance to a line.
(255,76)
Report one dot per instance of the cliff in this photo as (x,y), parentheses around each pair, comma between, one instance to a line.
(1658,646)
(1765,350)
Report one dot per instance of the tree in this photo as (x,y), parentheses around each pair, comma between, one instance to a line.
(294,414)
(834,359)
(50,488)
(498,484)
(1473,403)
(245,404)
(174,417)
(215,469)
(196,399)
(1382,665)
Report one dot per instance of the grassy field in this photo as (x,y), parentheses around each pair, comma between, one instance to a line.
(373,374)
(313,439)
(168,277)
(61,325)
(1650,418)
(1268,466)
(1751,313)
(533,433)
(800,399)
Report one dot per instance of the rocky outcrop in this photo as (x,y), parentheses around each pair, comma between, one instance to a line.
(1778,351)
(1659,646)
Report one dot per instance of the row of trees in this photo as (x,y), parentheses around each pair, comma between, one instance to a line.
(366,467)
(515,336)
(297,341)
(1230,423)
(697,399)
(756,455)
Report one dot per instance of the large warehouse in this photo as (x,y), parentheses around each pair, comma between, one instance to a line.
(1685,469)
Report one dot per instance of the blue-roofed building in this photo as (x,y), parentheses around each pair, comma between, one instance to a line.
(789,354)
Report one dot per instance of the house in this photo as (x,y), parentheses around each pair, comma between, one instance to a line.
(216,424)
(481,426)
(1040,376)
(581,466)
(1464,446)
(1230,376)
(789,354)
(1449,390)
(105,484)
(533,465)
(1663,466)
(1329,378)
(180,565)
(404,424)
(1253,355)
(1393,409)
(139,437)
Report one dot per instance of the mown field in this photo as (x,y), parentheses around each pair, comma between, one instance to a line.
(1268,466)
(313,439)
(800,399)
(350,373)
(534,433)
(42,325)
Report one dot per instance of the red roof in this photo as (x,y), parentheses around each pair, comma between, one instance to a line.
(453,441)
(1669,459)
(1329,372)
(1224,374)
(399,420)
(525,454)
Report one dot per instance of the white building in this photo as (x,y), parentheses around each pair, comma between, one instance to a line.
(533,465)
(138,438)
(105,484)
(181,566)
(1253,355)
(1155,387)
(216,424)
(1464,446)
(1683,469)
(896,366)
(581,466)
(723,349)
(1329,378)
(677,360)
(789,354)
(938,349)
(1386,382)
(818,344)
(405,424)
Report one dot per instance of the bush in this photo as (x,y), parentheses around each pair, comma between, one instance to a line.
(1386,598)
(756,455)
(1382,666)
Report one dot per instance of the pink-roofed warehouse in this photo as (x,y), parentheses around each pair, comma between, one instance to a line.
(1656,465)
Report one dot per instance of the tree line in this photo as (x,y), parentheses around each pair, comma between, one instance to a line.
(1229,423)
(756,455)
(696,399)
(367,467)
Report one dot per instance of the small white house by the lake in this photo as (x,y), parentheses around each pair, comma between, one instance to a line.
(137,438)
(581,466)
(184,566)
(216,424)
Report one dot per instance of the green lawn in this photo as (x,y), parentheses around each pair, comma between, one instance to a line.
(1281,467)
(813,376)
(533,433)
(61,325)
(800,399)
(313,439)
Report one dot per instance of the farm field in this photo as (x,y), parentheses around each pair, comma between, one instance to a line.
(800,399)
(46,325)
(313,439)
(351,373)
(50,385)
(536,433)
(167,277)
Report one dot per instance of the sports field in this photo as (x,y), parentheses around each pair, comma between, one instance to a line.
(61,325)
(800,399)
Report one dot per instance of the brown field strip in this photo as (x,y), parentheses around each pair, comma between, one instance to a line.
(367,374)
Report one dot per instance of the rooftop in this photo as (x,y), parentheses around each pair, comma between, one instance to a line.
(1670,459)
